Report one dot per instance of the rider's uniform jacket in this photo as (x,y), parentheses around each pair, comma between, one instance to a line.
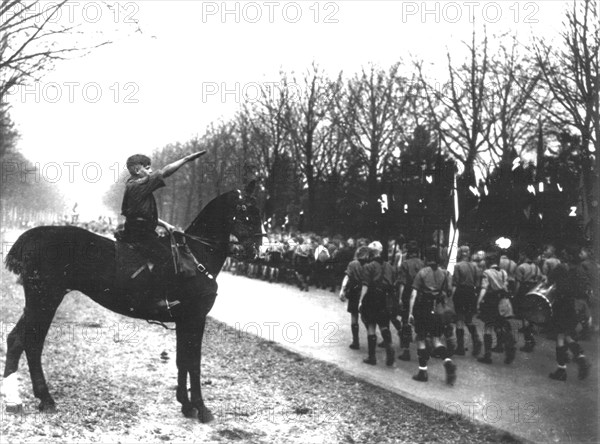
(139,202)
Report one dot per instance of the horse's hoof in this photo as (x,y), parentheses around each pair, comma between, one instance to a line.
(15,409)
(205,416)
(47,407)
(189,412)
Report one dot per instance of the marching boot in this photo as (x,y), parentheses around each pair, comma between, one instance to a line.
(405,339)
(389,356)
(509,344)
(450,371)
(405,356)
(423,359)
(460,342)
(387,338)
(355,342)
(582,363)
(511,353)
(499,348)
(450,344)
(584,367)
(529,340)
(560,374)
(487,346)
(422,376)
(389,351)
(372,344)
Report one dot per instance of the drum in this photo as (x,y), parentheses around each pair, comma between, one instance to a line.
(536,305)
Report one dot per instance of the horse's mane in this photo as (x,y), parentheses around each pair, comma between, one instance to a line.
(216,207)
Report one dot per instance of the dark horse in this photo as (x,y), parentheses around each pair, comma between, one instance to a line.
(52,261)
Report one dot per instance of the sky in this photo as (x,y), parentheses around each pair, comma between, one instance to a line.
(174,67)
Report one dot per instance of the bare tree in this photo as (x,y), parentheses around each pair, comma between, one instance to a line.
(33,36)
(375,103)
(458,109)
(270,134)
(513,103)
(310,126)
(571,73)
(459,116)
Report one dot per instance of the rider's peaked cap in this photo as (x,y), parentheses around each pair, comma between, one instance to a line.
(138,159)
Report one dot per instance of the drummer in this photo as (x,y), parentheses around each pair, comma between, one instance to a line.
(569,286)
(527,276)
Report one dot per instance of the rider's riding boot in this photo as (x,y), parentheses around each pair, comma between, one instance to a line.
(160,303)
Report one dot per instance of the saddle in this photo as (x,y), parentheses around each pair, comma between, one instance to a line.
(163,261)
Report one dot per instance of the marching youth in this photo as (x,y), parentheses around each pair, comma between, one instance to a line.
(494,288)
(431,284)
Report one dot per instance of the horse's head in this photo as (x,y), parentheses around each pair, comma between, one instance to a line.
(247,227)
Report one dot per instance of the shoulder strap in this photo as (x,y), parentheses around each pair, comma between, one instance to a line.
(504,276)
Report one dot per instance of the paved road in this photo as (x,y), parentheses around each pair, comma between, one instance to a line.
(518,398)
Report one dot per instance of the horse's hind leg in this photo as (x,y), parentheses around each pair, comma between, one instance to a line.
(40,307)
(10,384)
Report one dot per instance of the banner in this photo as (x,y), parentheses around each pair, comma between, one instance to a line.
(453,232)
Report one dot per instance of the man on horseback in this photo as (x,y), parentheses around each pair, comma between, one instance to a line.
(140,211)
(139,205)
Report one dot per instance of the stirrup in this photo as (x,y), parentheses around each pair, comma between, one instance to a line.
(164,303)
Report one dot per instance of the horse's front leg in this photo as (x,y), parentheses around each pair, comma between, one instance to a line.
(204,414)
(183,364)
(189,351)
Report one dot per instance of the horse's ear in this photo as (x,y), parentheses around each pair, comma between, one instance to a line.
(249,190)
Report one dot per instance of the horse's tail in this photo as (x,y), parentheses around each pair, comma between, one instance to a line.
(15,260)
(26,251)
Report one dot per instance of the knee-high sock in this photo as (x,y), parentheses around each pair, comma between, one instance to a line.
(372,344)
(528,334)
(406,336)
(354,328)
(575,349)
(442,351)
(487,343)
(460,337)
(386,335)
(561,355)
(473,332)
(423,355)
(507,335)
